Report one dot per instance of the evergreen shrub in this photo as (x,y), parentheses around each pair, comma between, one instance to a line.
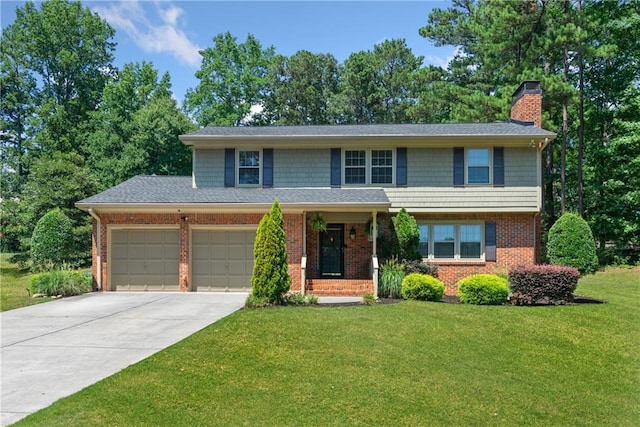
(483,289)
(270,277)
(408,235)
(571,244)
(422,287)
(542,284)
(419,266)
(52,241)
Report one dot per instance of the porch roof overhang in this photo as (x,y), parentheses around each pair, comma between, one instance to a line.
(172,194)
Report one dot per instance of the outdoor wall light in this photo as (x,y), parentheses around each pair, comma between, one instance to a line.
(352,233)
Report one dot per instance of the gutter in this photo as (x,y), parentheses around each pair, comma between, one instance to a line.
(98,248)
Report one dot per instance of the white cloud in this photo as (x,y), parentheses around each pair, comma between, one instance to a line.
(444,62)
(148,32)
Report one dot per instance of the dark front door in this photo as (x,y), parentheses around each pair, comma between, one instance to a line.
(332,251)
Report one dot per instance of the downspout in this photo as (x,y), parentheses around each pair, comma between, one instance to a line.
(98,248)
(303,261)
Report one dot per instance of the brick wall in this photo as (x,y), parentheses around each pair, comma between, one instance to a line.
(293,230)
(527,107)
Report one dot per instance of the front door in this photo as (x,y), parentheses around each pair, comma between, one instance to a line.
(332,251)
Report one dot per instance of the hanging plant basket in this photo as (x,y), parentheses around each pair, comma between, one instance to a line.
(317,223)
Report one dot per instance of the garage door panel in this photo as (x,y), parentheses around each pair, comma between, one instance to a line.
(226,263)
(144,260)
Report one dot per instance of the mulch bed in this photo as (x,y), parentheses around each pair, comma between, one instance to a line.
(453,299)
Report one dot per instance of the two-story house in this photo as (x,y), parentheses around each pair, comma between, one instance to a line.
(474,189)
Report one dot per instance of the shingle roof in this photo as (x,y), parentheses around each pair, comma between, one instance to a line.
(435,129)
(163,190)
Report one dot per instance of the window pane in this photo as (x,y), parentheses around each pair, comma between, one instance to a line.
(249,158)
(443,249)
(381,157)
(354,175)
(478,157)
(470,241)
(249,176)
(382,175)
(354,158)
(423,246)
(478,175)
(442,233)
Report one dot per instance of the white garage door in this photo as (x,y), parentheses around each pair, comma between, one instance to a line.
(144,260)
(222,260)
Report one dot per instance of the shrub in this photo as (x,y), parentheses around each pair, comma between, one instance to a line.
(571,244)
(390,279)
(59,282)
(256,302)
(483,289)
(542,284)
(312,299)
(52,240)
(295,298)
(419,266)
(368,299)
(270,277)
(422,287)
(408,235)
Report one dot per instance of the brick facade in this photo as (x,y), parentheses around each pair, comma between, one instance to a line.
(527,103)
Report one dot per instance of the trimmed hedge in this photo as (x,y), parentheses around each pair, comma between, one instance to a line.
(571,244)
(422,287)
(542,284)
(52,240)
(483,289)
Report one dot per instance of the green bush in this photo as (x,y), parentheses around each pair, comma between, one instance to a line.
(52,240)
(256,302)
(312,299)
(542,284)
(270,277)
(419,266)
(483,289)
(368,299)
(571,244)
(390,279)
(295,298)
(422,287)
(408,235)
(59,282)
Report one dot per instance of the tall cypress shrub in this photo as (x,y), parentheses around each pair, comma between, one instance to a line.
(571,244)
(270,277)
(408,235)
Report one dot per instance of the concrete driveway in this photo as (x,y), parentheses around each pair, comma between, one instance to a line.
(55,349)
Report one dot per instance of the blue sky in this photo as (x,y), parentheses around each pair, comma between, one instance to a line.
(170,33)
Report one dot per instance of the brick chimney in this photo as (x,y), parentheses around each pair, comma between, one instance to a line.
(526,105)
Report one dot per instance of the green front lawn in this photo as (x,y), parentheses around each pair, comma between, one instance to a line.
(13,286)
(410,363)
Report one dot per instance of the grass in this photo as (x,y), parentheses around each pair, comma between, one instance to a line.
(13,286)
(412,363)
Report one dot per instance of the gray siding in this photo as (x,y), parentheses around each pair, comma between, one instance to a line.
(431,167)
(520,167)
(301,168)
(209,168)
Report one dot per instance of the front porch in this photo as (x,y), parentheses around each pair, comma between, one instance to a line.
(339,287)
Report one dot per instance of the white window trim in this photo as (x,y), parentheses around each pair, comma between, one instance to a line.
(456,245)
(237,167)
(466,166)
(368,166)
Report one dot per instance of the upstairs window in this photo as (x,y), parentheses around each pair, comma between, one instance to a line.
(478,166)
(249,167)
(363,167)
(355,167)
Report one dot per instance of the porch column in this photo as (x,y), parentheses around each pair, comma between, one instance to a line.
(374,256)
(303,261)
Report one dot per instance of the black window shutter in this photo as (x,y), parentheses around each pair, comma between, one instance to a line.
(267,167)
(229,167)
(498,166)
(458,167)
(336,167)
(490,241)
(401,167)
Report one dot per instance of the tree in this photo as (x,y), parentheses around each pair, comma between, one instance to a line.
(67,49)
(233,79)
(301,89)
(270,277)
(52,241)
(571,244)
(136,129)
(408,234)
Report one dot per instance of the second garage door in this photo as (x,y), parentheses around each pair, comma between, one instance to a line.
(222,260)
